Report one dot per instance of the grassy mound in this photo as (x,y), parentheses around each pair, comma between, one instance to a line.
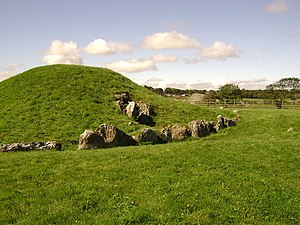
(58,102)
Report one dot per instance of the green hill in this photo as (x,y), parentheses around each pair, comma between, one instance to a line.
(247,174)
(58,102)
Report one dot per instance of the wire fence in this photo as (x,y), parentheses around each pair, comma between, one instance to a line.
(250,103)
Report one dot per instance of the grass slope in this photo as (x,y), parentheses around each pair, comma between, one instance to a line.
(247,174)
(58,102)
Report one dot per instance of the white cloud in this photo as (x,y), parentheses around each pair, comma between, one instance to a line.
(220,51)
(154,82)
(278,6)
(213,84)
(140,65)
(13,67)
(202,86)
(62,53)
(6,74)
(132,66)
(169,40)
(10,70)
(177,84)
(194,60)
(165,58)
(103,47)
(252,84)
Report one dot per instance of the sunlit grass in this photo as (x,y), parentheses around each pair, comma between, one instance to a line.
(248,174)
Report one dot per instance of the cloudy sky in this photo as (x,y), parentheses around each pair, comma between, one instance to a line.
(191,44)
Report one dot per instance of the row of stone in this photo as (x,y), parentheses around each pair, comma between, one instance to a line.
(196,128)
(107,136)
(30,146)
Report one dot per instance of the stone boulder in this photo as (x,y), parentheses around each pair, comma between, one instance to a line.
(229,122)
(140,112)
(90,140)
(132,110)
(212,127)
(114,137)
(175,133)
(105,136)
(179,133)
(150,136)
(225,122)
(122,99)
(124,96)
(220,123)
(166,135)
(201,128)
(146,120)
(145,109)
(31,146)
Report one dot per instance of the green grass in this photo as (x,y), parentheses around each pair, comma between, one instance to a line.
(248,174)
(58,102)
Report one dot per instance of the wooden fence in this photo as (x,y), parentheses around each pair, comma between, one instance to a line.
(250,103)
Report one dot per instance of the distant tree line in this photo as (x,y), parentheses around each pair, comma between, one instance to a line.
(174,91)
(281,89)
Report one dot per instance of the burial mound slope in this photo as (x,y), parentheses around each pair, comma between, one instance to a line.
(58,102)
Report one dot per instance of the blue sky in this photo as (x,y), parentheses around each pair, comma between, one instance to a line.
(183,44)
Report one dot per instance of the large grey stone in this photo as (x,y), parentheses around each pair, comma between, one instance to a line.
(150,136)
(105,136)
(140,112)
(113,137)
(166,135)
(175,133)
(220,123)
(122,99)
(145,109)
(229,122)
(179,133)
(201,128)
(132,110)
(91,140)
(146,120)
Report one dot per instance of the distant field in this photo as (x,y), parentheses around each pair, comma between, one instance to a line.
(248,174)
(249,103)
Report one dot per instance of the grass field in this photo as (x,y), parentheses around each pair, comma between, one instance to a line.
(248,174)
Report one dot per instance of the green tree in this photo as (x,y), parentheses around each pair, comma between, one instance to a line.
(210,95)
(281,88)
(229,91)
(291,83)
